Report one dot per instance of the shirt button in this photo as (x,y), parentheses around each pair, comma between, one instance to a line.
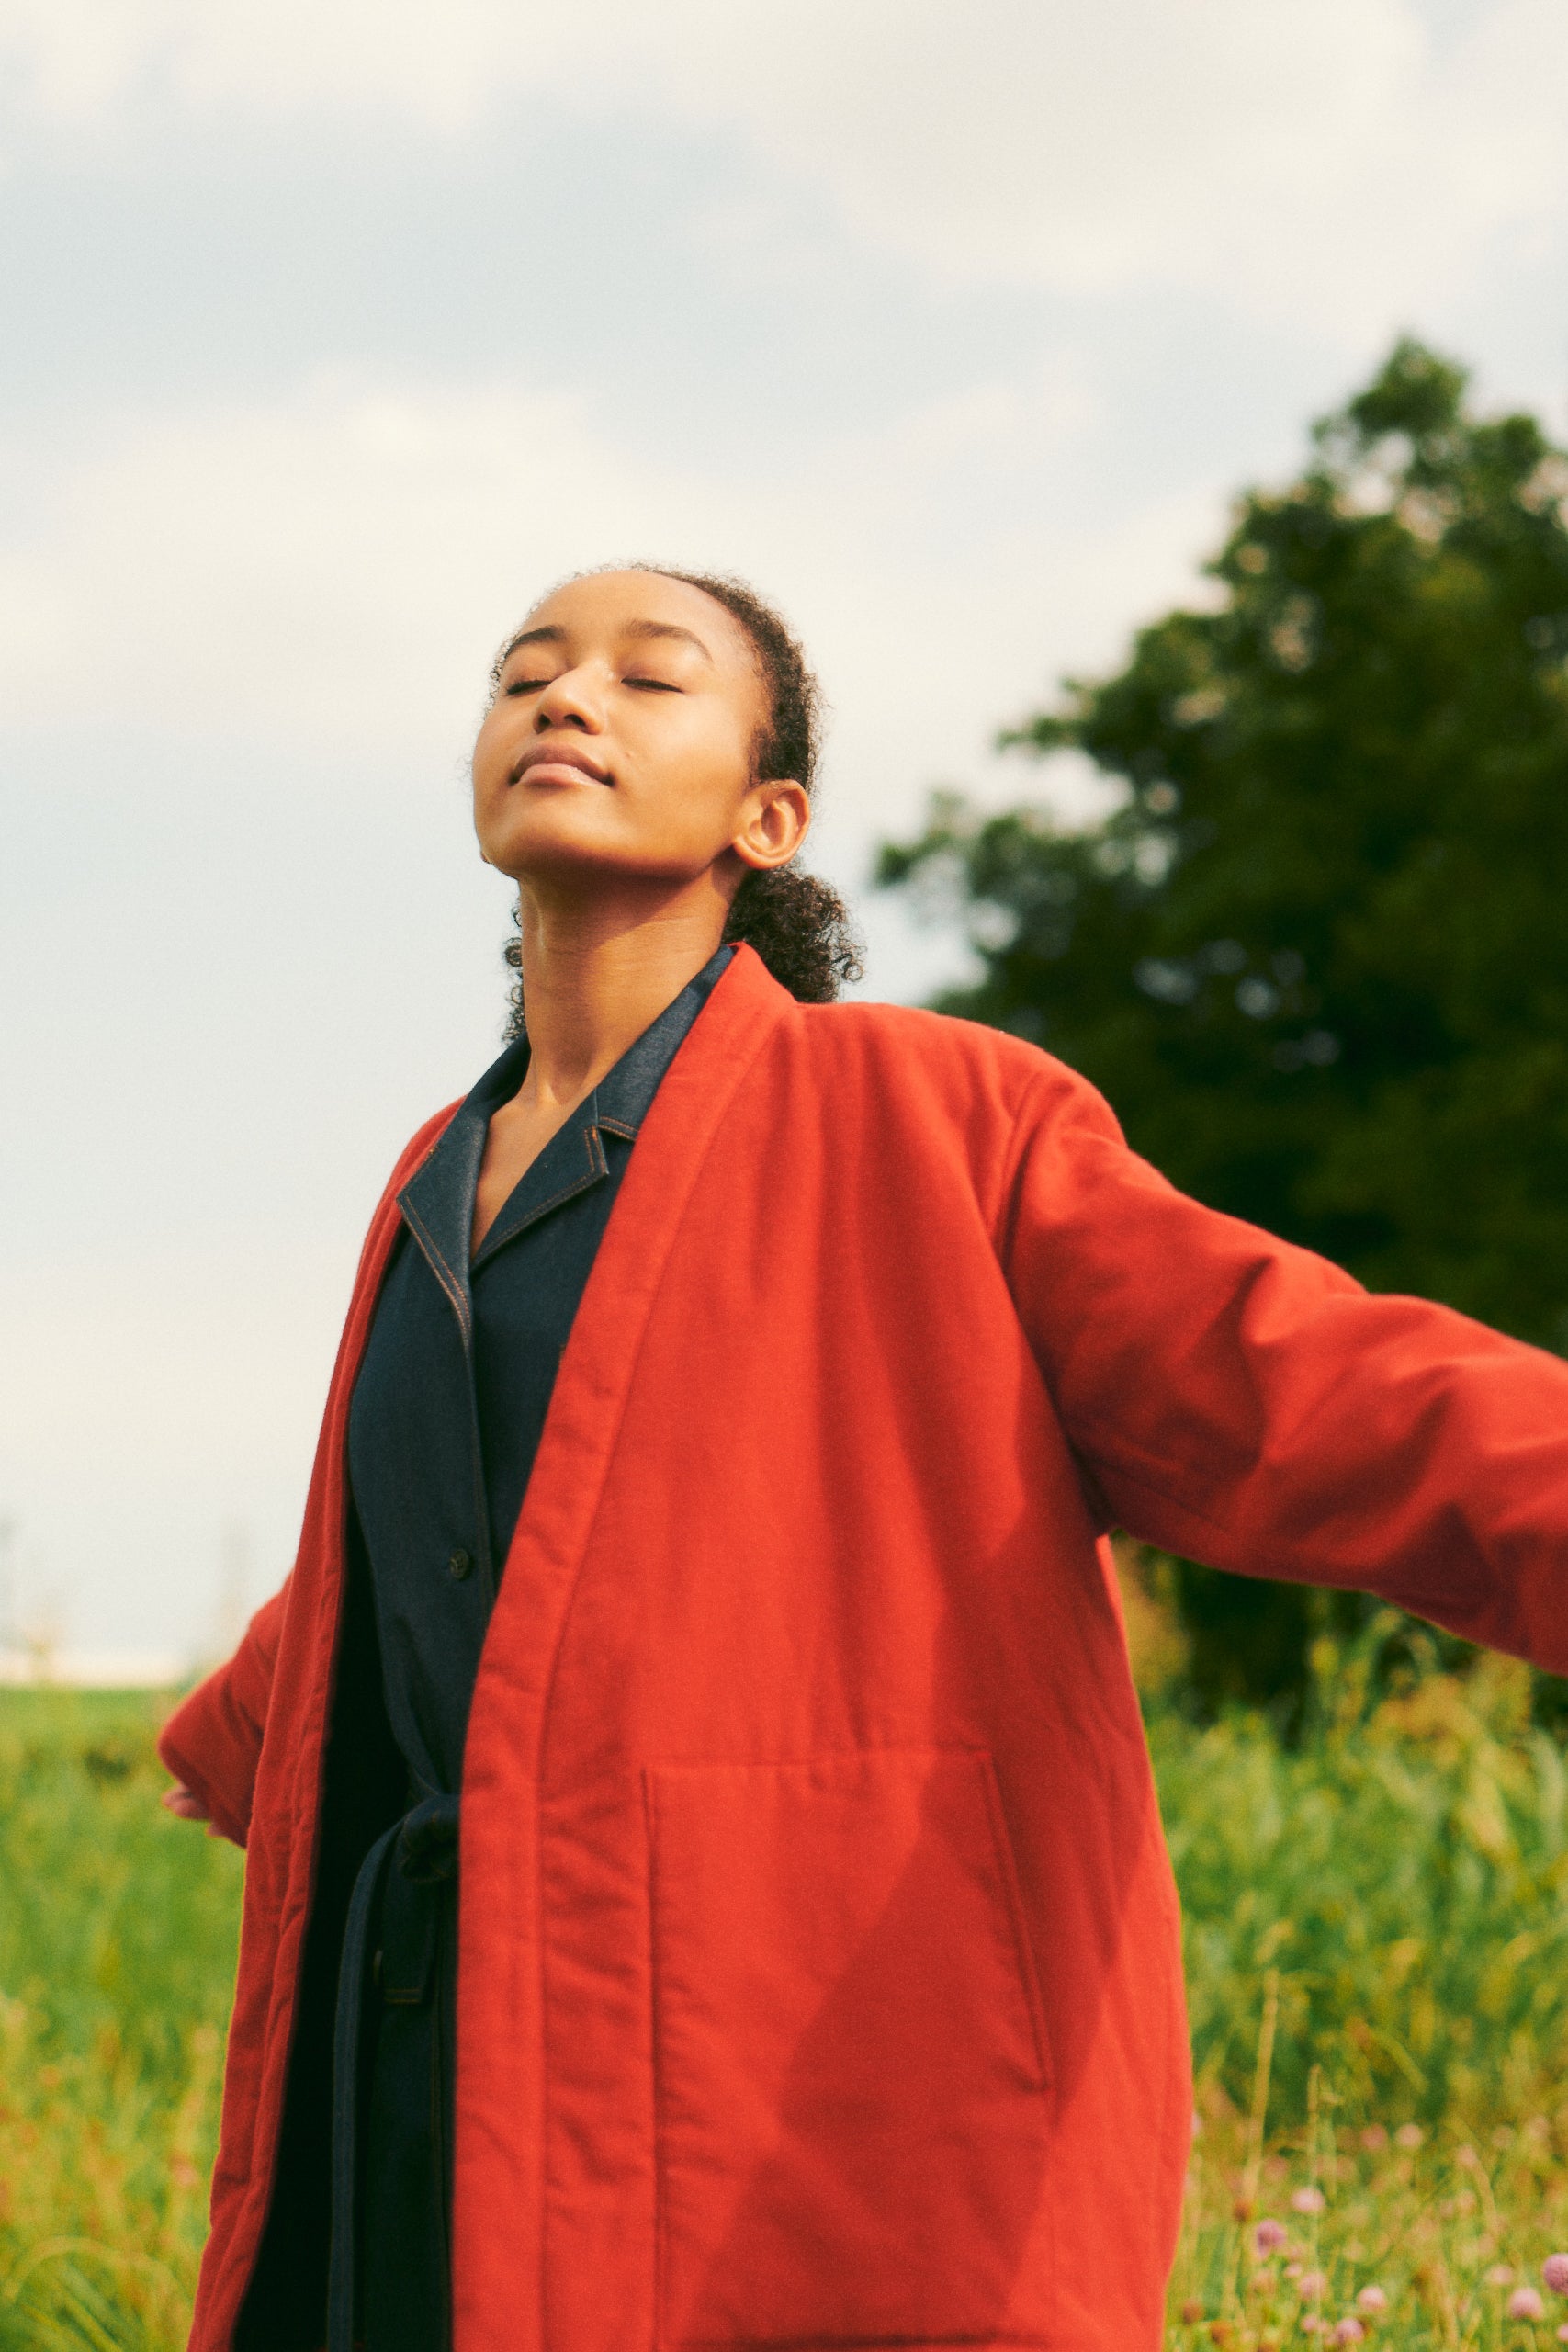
(459,1565)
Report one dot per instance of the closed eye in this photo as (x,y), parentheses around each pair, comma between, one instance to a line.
(646,685)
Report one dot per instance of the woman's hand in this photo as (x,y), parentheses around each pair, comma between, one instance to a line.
(186,1803)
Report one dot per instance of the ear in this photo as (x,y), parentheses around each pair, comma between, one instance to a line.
(773,824)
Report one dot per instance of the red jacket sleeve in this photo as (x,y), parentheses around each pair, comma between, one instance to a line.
(1245,1403)
(212,1741)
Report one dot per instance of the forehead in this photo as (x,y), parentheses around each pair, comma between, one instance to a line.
(608,603)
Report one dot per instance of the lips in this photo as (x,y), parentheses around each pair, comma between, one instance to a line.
(561,755)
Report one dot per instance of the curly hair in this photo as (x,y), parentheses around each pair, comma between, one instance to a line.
(796,922)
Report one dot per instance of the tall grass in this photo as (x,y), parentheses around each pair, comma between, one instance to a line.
(1403,1876)
(117,1930)
(1377,1950)
(1377,1938)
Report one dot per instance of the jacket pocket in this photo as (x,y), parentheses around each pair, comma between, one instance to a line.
(850,2069)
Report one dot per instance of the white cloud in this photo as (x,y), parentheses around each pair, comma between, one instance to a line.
(1322,160)
(1328,160)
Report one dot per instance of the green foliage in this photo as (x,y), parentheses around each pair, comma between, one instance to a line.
(117,1930)
(1404,1874)
(1317,957)
(1377,1934)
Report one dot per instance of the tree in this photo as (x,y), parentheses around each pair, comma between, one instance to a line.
(1317,957)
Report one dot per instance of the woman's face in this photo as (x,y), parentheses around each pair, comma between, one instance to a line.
(620,742)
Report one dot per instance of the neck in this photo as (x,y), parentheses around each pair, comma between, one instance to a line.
(595,973)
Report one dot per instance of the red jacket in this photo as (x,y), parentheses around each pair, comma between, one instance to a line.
(819,1971)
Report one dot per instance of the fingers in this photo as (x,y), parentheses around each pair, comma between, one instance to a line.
(186,1803)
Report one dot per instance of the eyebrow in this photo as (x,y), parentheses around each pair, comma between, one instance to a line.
(668,629)
(552,634)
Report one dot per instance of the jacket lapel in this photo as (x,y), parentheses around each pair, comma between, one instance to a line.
(595,1372)
(498,2287)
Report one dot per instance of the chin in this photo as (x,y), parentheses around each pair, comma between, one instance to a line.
(549,840)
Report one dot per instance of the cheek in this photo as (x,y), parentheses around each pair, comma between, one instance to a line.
(491,747)
(496,748)
(701,775)
(696,807)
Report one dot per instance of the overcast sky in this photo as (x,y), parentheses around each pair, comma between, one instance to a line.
(334,329)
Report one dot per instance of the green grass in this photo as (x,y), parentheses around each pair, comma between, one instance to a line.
(1377,1945)
(1377,1930)
(117,1932)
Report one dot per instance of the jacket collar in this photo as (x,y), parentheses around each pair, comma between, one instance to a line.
(438,1201)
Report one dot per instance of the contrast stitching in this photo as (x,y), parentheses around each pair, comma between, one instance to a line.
(455,1291)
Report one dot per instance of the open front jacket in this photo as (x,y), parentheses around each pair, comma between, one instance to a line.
(819,1977)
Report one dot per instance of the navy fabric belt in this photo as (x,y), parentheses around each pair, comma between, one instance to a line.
(398,1889)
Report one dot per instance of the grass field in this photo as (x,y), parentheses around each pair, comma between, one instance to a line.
(1377,1932)
(117,1930)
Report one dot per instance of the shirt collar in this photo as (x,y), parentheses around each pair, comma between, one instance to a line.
(438,1200)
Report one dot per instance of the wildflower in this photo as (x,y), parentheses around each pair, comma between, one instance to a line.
(1309,2324)
(1349,2331)
(1372,2299)
(1554,2270)
(1525,2303)
(1500,2275)
(1373,2138)
(1268,2236)
(1562,2333)
(1409,2135)
(1311,2284)
(1308,2201)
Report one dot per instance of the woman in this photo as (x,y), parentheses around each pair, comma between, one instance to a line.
(814,1978)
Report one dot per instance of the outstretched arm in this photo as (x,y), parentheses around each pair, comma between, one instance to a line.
(212,1742)
(1246,1403)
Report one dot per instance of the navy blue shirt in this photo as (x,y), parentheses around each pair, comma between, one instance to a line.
(445,1420)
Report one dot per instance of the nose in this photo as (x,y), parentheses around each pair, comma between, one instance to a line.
(570,700)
